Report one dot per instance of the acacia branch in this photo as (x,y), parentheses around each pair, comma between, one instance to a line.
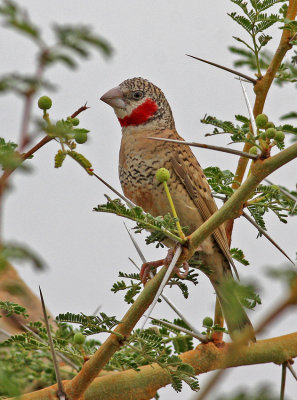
(261,90)
(263,84)
(231,209)
(206,357)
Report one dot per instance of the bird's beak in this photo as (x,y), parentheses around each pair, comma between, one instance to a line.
(114,97)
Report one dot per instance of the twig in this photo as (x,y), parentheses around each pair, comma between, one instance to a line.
(254,81)
(24,139)
(181,329)
(291,369)
(25,156)
(208,146)
(81,109)
(211,384)
(264,233)
(60,392)
(177,253)
(283,381)
(270,317)
(127,201)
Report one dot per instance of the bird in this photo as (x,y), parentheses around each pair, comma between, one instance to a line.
(143,111)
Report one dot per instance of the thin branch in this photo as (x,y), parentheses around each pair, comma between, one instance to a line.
(264,233)
(254,81)
(270,317)
(29,153)
(210,384)
(23,157)
(291,369)
(25,139)
(169,270)
(126,200)
(60,393)
(208,146)
(81,109)
(181,329)
(263,85)
(283,381)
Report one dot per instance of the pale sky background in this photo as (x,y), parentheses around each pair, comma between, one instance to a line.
(51,209)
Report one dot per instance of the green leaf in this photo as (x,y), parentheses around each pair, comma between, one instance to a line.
(18,19)
(10,308)
(161,226)
(79,39)
(90,325)
(291,114)
(14,251)
(238,255)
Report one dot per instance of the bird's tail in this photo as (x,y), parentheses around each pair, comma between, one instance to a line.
(235,315)
(220,274)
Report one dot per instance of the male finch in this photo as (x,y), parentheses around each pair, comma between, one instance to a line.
(143,112)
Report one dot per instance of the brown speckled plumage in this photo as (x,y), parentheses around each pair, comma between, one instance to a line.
(139,160)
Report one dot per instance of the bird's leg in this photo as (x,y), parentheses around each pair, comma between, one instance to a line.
(148,266)
(180,274)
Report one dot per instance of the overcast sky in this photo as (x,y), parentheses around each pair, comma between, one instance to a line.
(51,209)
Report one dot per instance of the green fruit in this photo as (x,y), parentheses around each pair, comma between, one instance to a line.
(60,125)
(263,135)
(270,133)
(79,338)
(163,175)
(254,150)
(261,120)
(208,321)
(80,137)
(269,125)
(44,102)
(75,121)
(279,136)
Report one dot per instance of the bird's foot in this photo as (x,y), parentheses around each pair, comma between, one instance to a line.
(148,266)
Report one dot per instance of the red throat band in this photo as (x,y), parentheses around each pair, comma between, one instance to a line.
(140,114)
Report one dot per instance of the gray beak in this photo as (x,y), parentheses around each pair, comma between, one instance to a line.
(114,97)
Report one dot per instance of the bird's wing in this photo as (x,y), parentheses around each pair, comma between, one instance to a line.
(187,168)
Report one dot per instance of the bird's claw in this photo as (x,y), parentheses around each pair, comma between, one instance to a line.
(148,266)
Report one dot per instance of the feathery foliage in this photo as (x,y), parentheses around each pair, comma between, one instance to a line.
(162,226)
(19,252)
(255,21)
(153,346)
(90,325)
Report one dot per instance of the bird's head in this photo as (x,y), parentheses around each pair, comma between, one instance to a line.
(139,103)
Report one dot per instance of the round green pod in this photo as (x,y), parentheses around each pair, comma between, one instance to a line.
(44,102)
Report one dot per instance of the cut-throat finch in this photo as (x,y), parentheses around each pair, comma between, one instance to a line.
(143,112)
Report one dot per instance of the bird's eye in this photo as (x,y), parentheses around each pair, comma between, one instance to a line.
(138,95)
